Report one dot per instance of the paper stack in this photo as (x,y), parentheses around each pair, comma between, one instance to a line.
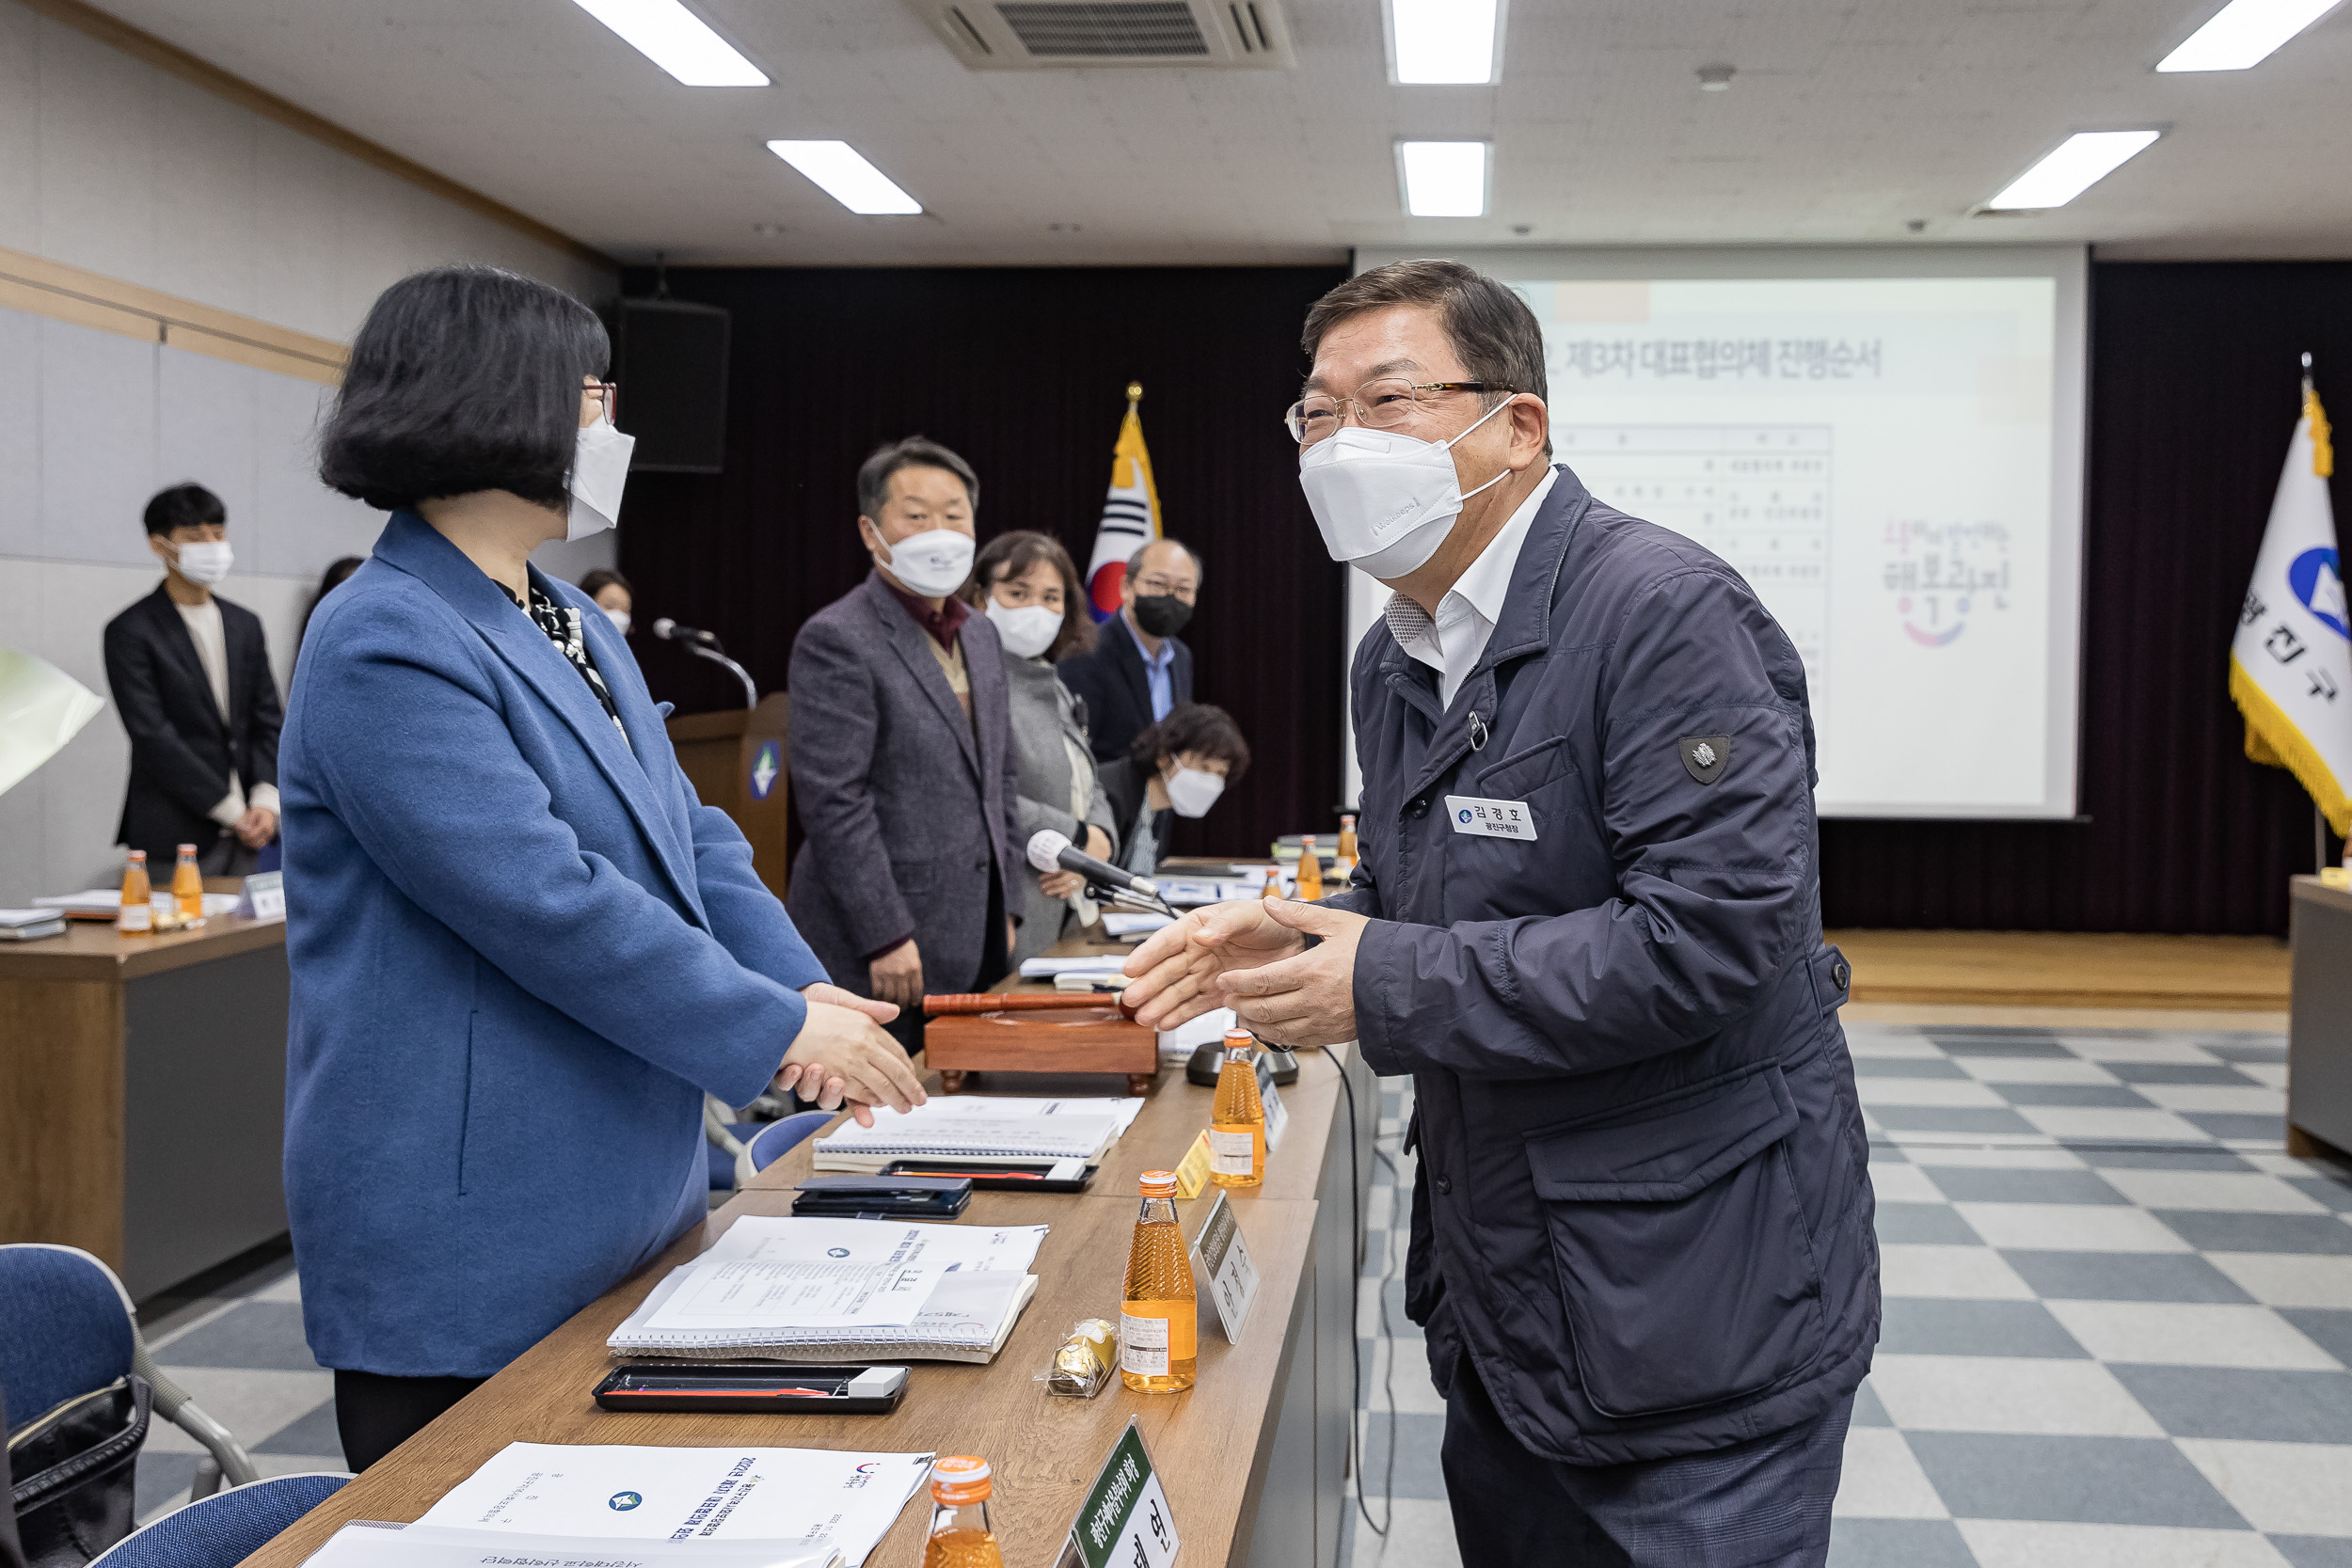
(744,1507)
(835,1290)
(985,1128)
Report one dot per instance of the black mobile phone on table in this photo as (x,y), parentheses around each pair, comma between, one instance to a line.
(753,1388)
(885,1196)
(1028,1176)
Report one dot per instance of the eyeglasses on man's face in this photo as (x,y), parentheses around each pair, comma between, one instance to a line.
(1154,585)
(1382,403)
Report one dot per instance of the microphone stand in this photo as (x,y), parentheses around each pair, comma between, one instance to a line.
(751,692)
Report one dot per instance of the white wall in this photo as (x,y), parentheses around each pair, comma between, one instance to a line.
(109,165)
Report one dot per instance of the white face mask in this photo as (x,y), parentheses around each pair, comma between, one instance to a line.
(206,562)
(619,619)
(932,563)
(1385,500)
(1192,792)
(600,470)
(1027,630)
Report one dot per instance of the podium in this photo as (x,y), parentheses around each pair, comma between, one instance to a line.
(735,760)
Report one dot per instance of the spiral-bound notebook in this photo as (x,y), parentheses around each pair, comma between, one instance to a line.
(986,1128)
(968,1317)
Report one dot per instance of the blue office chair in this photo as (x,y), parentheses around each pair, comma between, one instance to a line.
(727,1142)
(72,1334)
(778,1138)
(221,1531)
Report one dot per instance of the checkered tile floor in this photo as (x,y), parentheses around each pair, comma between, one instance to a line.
(240,1355)
(2118,1315)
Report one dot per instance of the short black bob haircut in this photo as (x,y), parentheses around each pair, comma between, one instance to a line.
(184,506)
(1199,728)
(463,379)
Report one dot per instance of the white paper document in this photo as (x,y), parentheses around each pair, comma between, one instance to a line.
(368,1545)
(774,1239)
(747,1292)
(813,1497)
(1091,963)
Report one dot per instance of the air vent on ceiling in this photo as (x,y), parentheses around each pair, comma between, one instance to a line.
(1067,35)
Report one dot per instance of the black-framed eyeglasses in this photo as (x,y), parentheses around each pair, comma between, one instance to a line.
(1380,403)
(606,393)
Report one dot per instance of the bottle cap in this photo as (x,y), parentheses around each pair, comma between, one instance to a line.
(1306,841)
(138,857)
(960,1477)
(187,849)
(1159,1183)
(1239,1039)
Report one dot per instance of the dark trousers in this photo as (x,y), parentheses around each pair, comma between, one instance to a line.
(377,1414)
(1759,1504)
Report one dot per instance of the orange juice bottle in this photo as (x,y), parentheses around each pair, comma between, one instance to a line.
(1309,868)
(1237,1124)
(187,884)
(961,1537)
(1159,1322)
(1273,888)
(1343,863)
(137,918)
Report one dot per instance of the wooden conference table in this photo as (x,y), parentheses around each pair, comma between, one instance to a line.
(142,1094)
(1252,1456)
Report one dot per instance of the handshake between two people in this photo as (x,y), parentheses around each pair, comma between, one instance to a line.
(1253,955)
(841,1056)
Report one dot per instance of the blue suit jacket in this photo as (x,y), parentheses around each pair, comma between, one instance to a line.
(521,950)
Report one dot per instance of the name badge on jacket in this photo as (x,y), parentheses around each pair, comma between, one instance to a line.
(1491,819)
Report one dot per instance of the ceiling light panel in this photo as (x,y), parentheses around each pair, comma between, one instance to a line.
(677,41)
(842,173)
(2080,162)
(1444,179)
(1444,42)
(2243,33)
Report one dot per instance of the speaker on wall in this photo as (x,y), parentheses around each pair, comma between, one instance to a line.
(671,360)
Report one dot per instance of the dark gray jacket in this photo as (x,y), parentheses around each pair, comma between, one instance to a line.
(1642,1209)
(910,817)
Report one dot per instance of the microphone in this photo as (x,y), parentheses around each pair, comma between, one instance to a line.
(1052,851)
(670,631)
(704,644)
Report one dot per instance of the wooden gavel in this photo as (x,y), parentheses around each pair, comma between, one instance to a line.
(968,1003)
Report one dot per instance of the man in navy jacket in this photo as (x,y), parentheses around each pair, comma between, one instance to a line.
(1587,922)
(1138,669)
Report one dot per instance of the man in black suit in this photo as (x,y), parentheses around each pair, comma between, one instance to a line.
(190,676)
(1139,669)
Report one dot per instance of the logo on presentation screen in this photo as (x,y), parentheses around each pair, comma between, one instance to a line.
(1943,575)
(2317,577)
(621,1502)
(764,766)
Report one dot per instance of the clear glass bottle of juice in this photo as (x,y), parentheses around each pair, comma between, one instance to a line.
(961,1537)
(1237,1124)
(137,918)
(1159,1322)
(1309,868)
(1343,860)
(187,884)
(1273,887)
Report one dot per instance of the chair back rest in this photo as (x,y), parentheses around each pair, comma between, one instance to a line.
(69,1329)
(778,1138)
(225,1529)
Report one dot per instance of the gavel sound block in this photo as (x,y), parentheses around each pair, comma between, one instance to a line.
(1033,1032)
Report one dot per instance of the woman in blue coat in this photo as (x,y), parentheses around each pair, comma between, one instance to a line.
(521,948)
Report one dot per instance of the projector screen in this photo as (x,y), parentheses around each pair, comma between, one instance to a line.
(1887,445)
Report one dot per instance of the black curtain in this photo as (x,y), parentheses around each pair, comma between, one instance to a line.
(2193,395)
(1024,372)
